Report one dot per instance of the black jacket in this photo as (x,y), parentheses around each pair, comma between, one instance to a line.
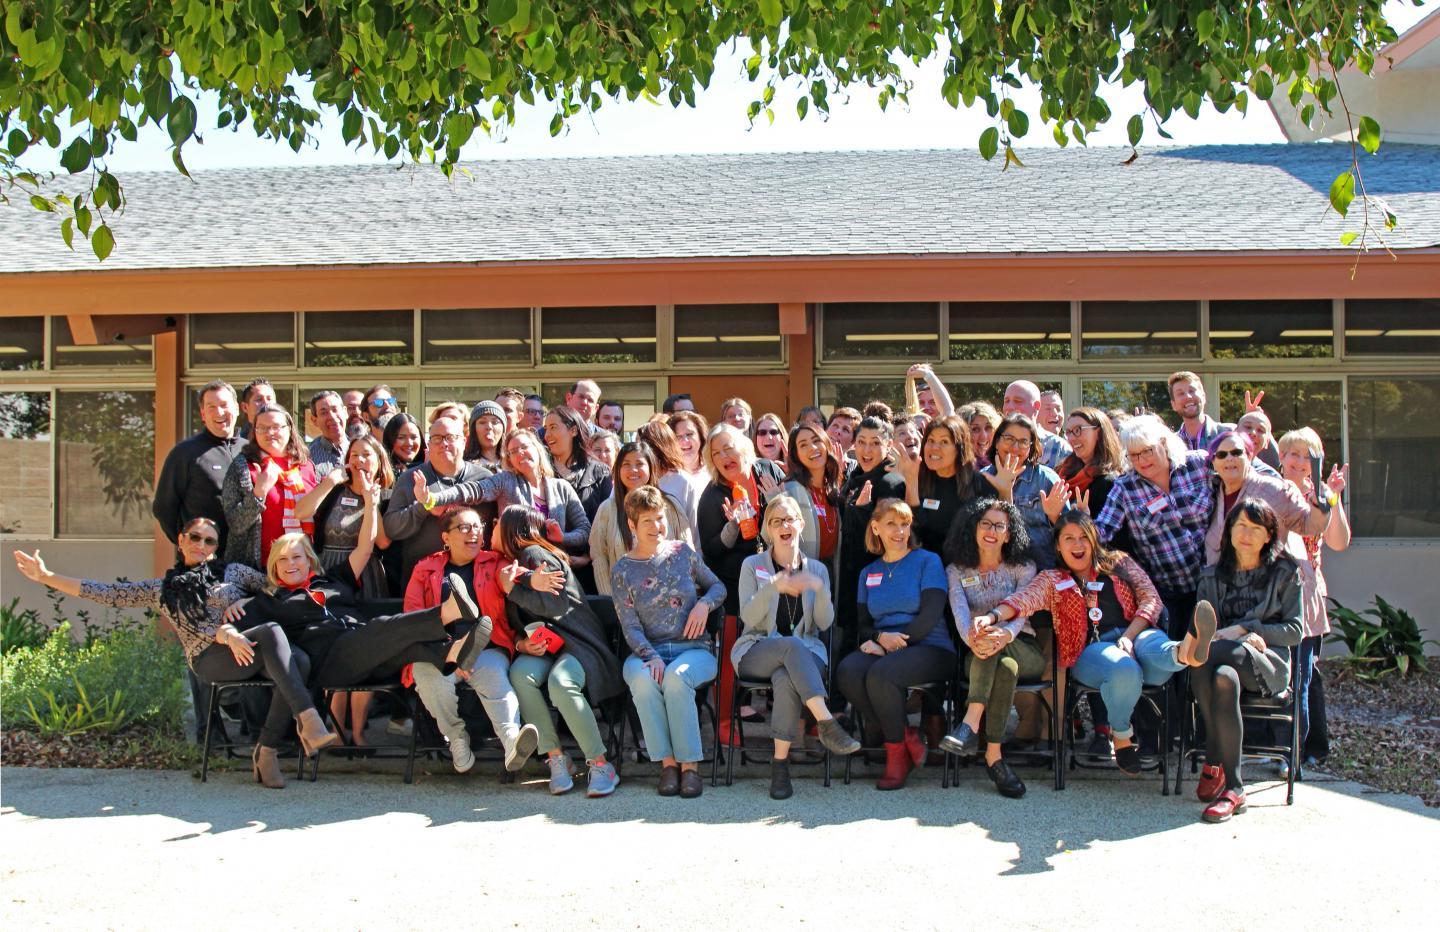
(710,522)
(854,519)
(567,613)
(190,481)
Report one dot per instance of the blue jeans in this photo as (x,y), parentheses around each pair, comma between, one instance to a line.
(1120,677)
(668,716)
(1305,656)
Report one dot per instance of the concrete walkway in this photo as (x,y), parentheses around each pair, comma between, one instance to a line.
(127,849)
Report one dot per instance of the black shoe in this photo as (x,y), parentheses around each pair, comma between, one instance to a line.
(836,739)
(1006,781)
(780,787)
(691,784)
(455,586)
(475,641)
(669,784)
(962,741)
(1128,759)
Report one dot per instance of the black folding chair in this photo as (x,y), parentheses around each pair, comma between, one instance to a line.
(744,689)
(940,693)
(1154,697)
(403,696)
(215,723)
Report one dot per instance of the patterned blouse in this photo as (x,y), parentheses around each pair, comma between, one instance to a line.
(653,597)
(975,593)
(195,634)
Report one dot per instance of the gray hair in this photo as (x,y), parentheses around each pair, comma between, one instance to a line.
(1148,431)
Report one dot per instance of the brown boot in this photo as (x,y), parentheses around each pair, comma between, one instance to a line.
(934,726)
(266,766)
(897,766)
(314,736)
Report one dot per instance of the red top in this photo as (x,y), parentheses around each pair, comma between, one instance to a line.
(423,591)
(828,521)
(274,511)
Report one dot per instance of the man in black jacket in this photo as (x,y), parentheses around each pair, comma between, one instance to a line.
(189,484)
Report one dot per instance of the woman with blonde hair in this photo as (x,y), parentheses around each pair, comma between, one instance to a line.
(768,433)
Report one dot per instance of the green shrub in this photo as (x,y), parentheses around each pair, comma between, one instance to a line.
(20,629)
(137,677)
(53,718)
(1389,644)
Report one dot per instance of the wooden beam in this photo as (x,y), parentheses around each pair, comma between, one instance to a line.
(82,329)
(801,353)
(169,408)
(792,318)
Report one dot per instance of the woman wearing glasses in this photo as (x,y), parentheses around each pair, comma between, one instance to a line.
(1301,513)
(1031,486)
(263,488)
(192,598)
(1096,459)
(769,437)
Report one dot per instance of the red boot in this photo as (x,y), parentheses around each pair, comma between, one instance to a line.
(915,746)
(897,766)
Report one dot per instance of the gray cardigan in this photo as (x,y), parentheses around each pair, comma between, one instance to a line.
(1277,619)
(760,600)
(506,488)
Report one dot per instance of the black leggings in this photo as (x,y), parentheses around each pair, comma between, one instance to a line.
(378,649)
(274,660)
(876,686)
(1217,686)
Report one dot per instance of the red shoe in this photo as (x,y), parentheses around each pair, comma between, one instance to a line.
(897,766)
(1212,783)
(1229,803)
(915,746)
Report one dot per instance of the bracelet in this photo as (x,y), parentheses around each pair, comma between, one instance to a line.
(429,503)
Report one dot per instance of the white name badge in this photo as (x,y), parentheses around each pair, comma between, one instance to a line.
(873,579)
(931,504)
(970,581)
(762,576)
(1156,505)
(1095,586)
(1064,584)
(349,502)
(820,510)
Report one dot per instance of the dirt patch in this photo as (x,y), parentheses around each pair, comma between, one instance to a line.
(137,747)
(1387,733)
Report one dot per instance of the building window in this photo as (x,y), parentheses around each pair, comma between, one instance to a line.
(1111,329)
(242,340)
(1394,446)
(993,393)
(1153,395)
(371,338)
(468,395)
(1271,329)
(1392,327)
(23,345)
(499,334)
(739,332)
(1009,330)
(25,463)
(636,398)
(1291,405)
(858,393)
(105,463)
(874,331)
(597,335)
(134,353)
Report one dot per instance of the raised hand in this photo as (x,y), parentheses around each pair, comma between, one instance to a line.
(420,487)
(867,491)
(1082,500)
(767,485)
(509,573)
(728,505)
(1253,404)
(1339,478)
(31,566)
(269,475)
(1007,469)
(1053,501)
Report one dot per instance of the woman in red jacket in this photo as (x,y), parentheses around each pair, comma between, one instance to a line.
(1106,611)
(490,675)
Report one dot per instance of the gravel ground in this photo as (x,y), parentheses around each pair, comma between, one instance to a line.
(1386,734)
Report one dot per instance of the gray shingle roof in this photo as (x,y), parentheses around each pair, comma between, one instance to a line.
(1205,198)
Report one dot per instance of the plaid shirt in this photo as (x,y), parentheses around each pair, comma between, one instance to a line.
(1209,430)
(1168,528)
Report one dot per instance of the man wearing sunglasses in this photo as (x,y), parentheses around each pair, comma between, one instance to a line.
(194,470)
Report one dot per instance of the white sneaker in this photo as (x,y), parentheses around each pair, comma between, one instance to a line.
(401,728)
(460,754)
(562,770)
(526,741)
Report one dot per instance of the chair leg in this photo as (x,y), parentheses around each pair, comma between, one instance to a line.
(734,729)
(408,700)
(212,709)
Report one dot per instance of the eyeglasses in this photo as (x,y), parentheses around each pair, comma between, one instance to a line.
(1079,429)
(1226,454)
(1010,440)
(202,539)
(999,527)
(466,527)
(1143,453)
(768,433)
(448,439)
(273,431)
(378,403)
(787,520)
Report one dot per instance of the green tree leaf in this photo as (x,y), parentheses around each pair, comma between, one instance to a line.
(76,157)
(102,241)
(180,121)
(1135,128)
(1369,134)
(989,143)
(1342,192)
(770,12)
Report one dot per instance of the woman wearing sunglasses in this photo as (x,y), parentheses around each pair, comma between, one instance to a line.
(1302,513)
(191,597)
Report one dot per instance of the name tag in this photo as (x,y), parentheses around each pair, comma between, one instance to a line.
(349,502)
(762,576)
(820,511)
(1095,586)
(931,504)
(1064,584)
(970,581)
(873,579)
(215,466)
(1157,505)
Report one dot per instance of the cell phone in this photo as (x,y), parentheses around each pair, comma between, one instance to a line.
(1317,479)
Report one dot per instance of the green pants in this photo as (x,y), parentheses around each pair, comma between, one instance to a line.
(565,679)
(992,681)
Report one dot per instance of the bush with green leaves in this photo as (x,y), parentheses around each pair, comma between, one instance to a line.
(128,675)
(20,628)
(1390,644)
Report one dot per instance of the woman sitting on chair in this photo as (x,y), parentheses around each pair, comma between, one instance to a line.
(988,560)
(561,647)
(784,605)
(903,641)
(1254,591)
(192,597)
(1106,611)
(664,595)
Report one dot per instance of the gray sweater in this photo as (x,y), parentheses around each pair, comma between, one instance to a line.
(654,597)
(1276,617)
(760,600)
(506,488)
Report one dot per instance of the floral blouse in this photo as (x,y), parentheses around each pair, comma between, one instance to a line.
(195,634)
(653,597)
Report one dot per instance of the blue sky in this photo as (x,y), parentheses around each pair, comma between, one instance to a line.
(718,124)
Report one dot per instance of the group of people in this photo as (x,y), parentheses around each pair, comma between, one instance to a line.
(877,551)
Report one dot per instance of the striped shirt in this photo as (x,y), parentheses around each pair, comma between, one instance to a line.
(1168,528)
